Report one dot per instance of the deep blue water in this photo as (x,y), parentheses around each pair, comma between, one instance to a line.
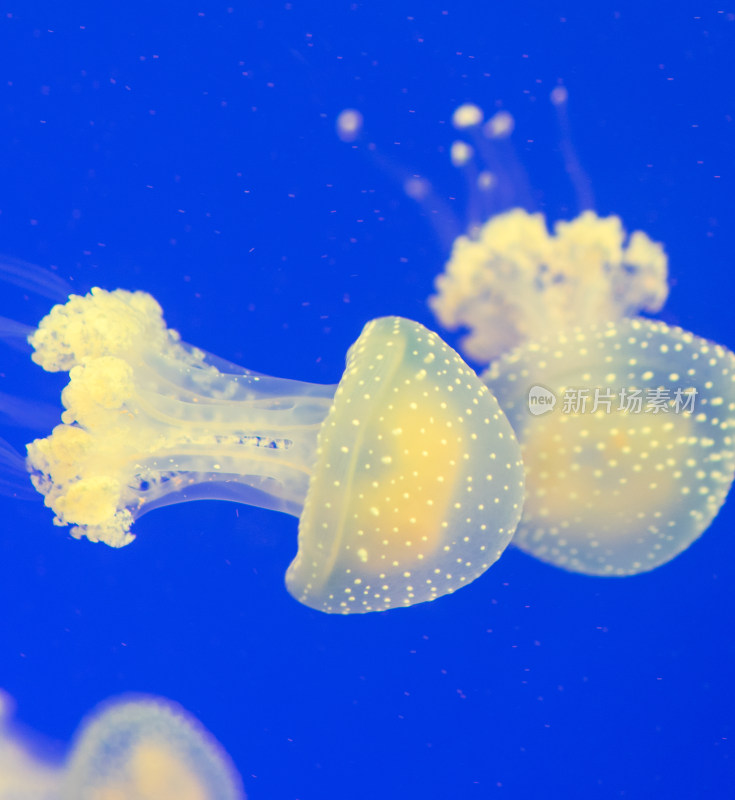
(188,149)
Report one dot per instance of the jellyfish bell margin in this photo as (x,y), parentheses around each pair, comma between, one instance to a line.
(406,477)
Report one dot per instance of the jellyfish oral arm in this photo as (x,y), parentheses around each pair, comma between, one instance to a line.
(156,450)
(150,421)
(514,281)
(242,451)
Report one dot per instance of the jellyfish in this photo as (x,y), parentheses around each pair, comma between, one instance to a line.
(24,773)
(129,748)
(406,477)
(625,423)
(146,748)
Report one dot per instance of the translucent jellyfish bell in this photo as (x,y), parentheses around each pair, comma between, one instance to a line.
(406,477)
(141,748)
(632,470)
(148,749)
(620,482)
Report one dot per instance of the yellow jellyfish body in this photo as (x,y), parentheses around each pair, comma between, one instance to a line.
(639,462)
(418,484)
(142,748)
(407,477)
(625,424)
(148,749)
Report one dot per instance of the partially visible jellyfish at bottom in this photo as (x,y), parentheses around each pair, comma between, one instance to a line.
(130,748)
(406,477)
(24,773)
(637,455)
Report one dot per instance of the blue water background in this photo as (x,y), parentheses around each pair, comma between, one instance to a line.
(188,149)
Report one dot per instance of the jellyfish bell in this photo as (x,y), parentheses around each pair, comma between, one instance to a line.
(406,476)
(417,485)
(632,471)
(146,748)
(131,748)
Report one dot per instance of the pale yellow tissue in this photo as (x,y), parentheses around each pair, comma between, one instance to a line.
(98,324)
(648,257)
(154,773)
(106,382)
(349,125)
(605,473)
(65,448)
(160,775)
(90,501)
(467,116)
(514,281)
(460,153)
(407,492)
(499,126)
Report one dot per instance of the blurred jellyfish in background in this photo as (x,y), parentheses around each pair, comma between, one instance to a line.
(630,455)
(139,748)
(24,773)
(406,477)
(149,749)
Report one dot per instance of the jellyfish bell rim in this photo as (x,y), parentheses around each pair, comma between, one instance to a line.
(301,586)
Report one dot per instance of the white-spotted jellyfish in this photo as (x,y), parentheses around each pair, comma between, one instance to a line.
(406,476)
(626,424)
